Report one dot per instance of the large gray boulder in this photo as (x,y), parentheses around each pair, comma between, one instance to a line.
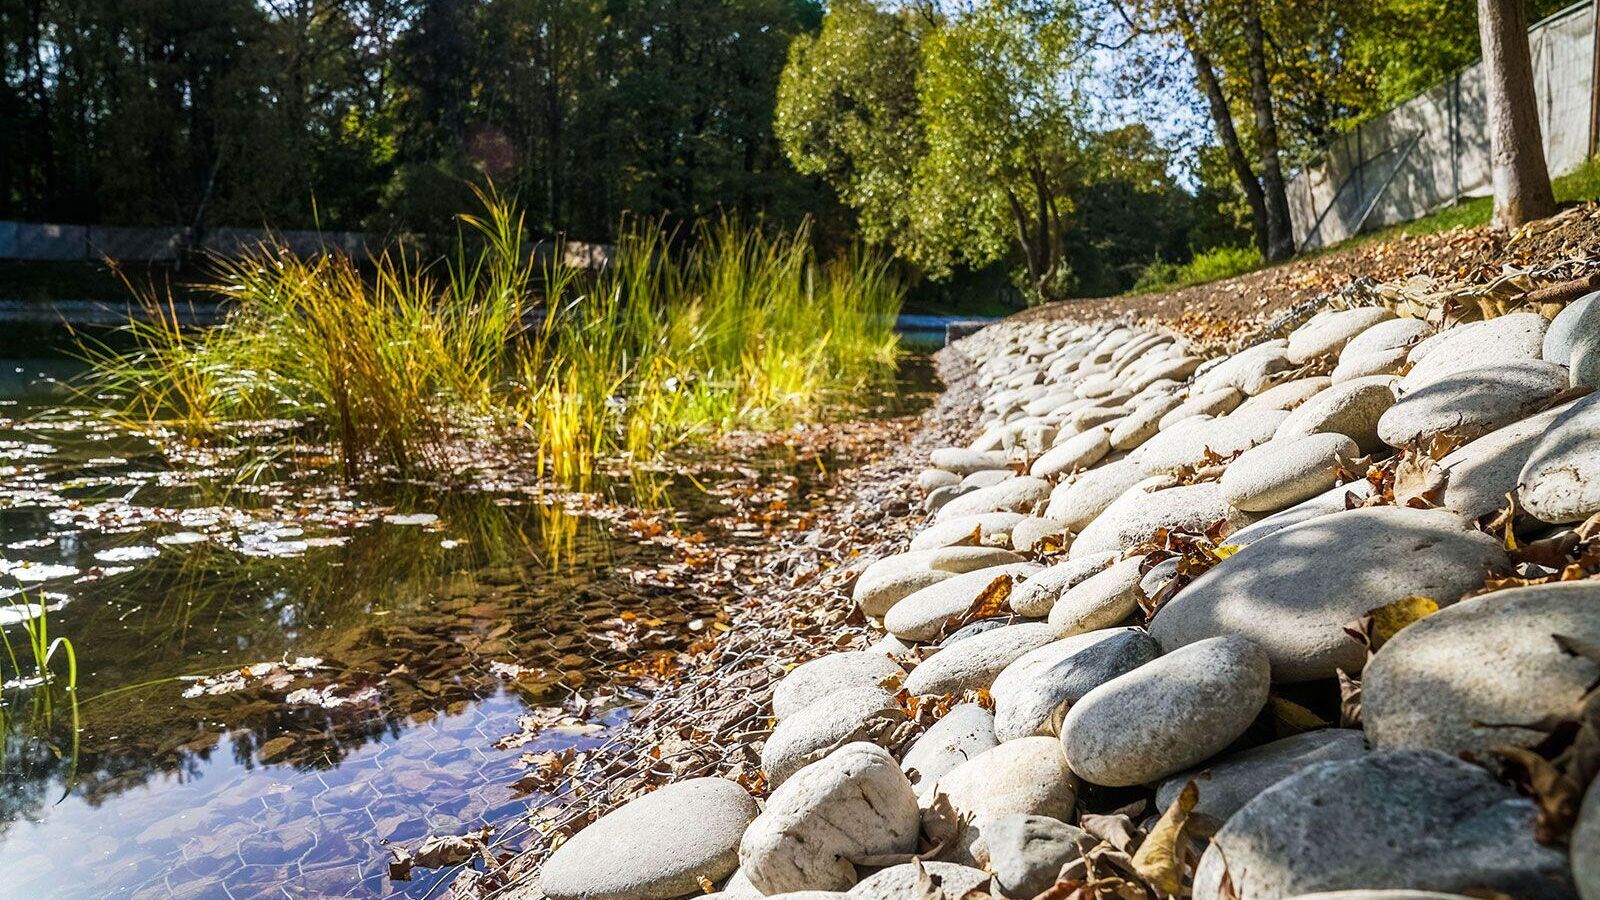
(962,733)
(1295,590)
(1442,683)
(1560,482)
(1167,715)
(1396,819)
(659,845)
(855,803)
(1469,404)
(1226,784)
(1031,700)
(1079,451)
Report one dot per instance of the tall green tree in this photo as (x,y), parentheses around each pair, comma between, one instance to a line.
(848,111)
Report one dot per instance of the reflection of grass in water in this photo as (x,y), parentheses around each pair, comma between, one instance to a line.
(40,649)
(396,364)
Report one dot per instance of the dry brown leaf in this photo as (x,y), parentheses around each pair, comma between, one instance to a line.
(1160,858)
(990,602)
(1349,701)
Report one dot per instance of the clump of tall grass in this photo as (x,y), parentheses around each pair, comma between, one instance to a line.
(682,336)
(681,339)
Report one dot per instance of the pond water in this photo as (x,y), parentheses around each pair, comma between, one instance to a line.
(278,678)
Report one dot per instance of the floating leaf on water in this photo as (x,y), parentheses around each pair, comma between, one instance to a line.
(29,572)
(182,538)
(129,553)
(411,518)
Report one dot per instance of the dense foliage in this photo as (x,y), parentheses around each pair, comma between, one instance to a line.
(371,113)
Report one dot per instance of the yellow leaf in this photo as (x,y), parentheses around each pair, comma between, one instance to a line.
(1226,550)
(1293,718)
(1387,620)
(1160,858)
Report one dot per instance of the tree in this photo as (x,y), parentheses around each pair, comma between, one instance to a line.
(1522,189)
(848,112)
(1003,120)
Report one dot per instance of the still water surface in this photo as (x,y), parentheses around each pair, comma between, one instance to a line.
(277,678)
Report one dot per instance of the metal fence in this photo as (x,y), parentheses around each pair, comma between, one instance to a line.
(44,241)
(1433,150)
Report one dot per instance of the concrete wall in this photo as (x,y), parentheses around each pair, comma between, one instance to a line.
(1433,150)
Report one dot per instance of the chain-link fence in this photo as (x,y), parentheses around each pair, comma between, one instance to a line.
(1433,150)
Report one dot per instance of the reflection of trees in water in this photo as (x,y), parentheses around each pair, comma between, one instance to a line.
(391,608)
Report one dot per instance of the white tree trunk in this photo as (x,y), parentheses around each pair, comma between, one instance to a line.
(1521,180)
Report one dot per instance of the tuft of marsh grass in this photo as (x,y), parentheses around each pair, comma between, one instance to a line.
(29,666)
(403,367)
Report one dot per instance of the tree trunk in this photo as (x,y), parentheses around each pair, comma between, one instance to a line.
(1280,230)
(1222,120)
(1521,181)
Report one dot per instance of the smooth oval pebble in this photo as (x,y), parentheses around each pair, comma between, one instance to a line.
(1279,474)
(1331,330)
(1079,451)
(973,664)
(821,725)
(1031,701)
(1027,776)
(962,733)
(1476,345)
(1352,409)
(1137,515)
(1167,715)
(983,529)
(1473,403)
(927,614)
(825,675)
(1224,785)
(1099,601)
(852,804)
(659,845)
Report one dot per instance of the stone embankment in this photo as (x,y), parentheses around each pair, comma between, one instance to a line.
(1318,616)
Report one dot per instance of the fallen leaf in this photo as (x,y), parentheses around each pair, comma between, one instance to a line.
(1160,857)
(1291,718)
(1388,619)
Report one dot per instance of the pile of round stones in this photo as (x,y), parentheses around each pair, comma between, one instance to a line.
(1022,613)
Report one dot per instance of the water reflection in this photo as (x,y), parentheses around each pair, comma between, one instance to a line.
(406,632)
